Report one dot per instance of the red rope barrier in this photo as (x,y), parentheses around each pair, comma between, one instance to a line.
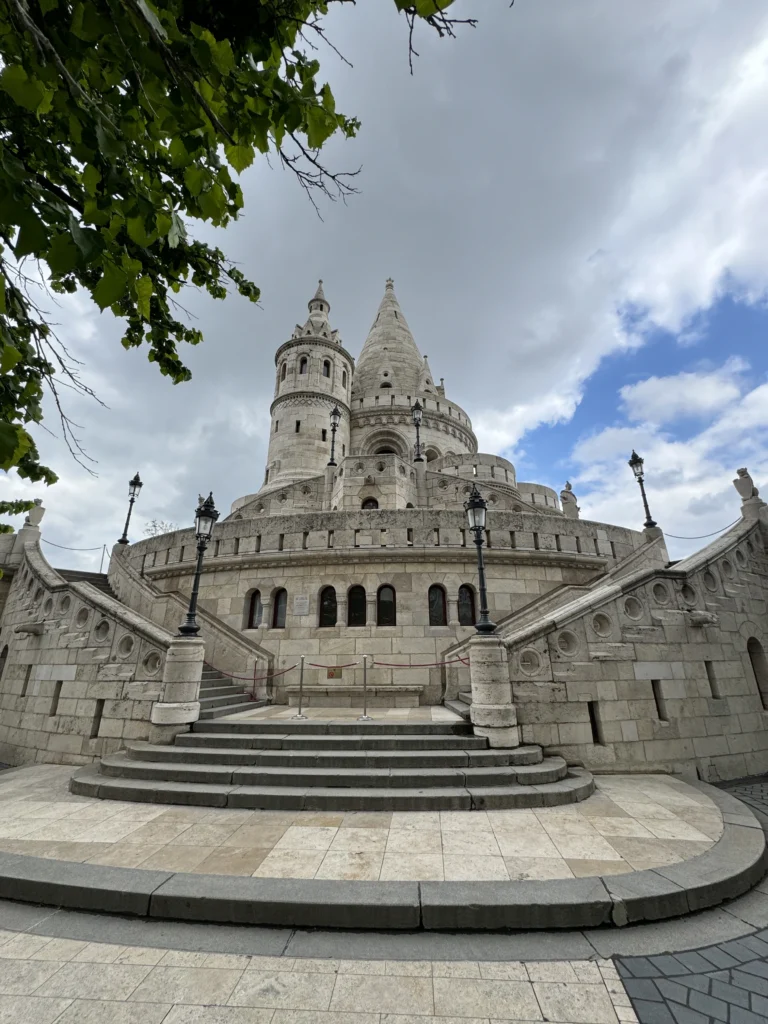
(429,664)
(253,679)
(351,664)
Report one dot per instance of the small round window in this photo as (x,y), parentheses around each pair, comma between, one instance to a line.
(82,617)
(688,594)
(152,663)
(567,642)
(126,645)
(530,662)
(741,558)
(66,604)
(632,608)
(660,593)
(602,625)
(727,569)
(710,581)
(102,631)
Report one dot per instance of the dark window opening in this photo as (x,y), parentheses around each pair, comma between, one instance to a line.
(370,503)
(27,677)
(283,371)
(298,426)
(759,664)
(55,700)
(466,606)
(661,704)
(595,723)
(325,434)
(255,609)
(279,610)
(386,610)
(328,608)
(438,615)
(280,541)
(96,721)
(356,607)
(344,379)
(303,365)
(326,368)
(714,686)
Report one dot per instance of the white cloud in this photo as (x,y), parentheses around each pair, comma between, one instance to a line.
(665,399)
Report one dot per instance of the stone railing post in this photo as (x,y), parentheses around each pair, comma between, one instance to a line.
(492,712)
(179,703)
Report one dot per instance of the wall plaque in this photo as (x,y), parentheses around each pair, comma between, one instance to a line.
(301,604)
(334,673)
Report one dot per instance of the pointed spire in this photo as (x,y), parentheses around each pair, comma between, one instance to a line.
(389,346)
(319,297)
(427,381)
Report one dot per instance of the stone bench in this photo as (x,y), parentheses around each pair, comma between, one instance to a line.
(337,695)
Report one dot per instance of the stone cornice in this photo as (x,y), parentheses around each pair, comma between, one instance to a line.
(307,395)
(315,339)
(400,415)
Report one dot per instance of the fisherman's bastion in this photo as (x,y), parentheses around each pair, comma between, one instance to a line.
(394,624)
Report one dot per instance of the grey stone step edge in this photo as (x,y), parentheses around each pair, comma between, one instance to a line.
(336,727)
(731,867)
(230,709)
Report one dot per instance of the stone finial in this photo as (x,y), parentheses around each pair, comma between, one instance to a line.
(390,284)
(745,485)
(35,515)
(568,500)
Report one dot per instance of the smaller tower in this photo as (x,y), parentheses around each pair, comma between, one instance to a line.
(313,373)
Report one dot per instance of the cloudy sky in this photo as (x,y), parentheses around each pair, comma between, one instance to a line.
(572,199)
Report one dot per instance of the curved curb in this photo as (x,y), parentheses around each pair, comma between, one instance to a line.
(732,866)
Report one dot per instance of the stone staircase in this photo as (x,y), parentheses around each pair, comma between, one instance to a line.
(461,705)
(99,580)
(334,765)
(220,695)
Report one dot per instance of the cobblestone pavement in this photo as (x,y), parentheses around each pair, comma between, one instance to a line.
(727,982)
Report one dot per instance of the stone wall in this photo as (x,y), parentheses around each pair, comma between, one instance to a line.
(650,670)
(409,549)
(82,671)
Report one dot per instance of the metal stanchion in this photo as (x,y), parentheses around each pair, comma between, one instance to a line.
(365,717)
(301,691)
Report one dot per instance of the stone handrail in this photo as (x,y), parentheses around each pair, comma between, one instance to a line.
(226,648)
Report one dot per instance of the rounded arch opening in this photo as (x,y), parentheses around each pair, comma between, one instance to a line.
(369,503)
(303,364)
(759,663)
(328,608)
(466,605)
(438,607)
(326,367)
(254,610)
(386,606)
(356,606)
(279,608)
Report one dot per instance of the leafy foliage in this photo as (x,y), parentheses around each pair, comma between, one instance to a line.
(120,122)
(157,527)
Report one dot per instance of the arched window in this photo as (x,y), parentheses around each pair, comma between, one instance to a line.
(409,504)
(759,667)
(386,384)
(303,364)
(438,615)
(284,371)
(386,611)
(466,606)
(370,503)
(356,607)
(326,368)
(255,608)
(344,379)
(279,608)
(3,659)
(327,615)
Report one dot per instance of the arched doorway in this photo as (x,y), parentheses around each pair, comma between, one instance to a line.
(759,664)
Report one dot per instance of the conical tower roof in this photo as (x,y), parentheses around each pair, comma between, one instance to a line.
(317,323)
(389,353)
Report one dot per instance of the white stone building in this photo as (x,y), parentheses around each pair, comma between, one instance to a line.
(611,655)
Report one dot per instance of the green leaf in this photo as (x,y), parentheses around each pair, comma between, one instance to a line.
(23,90)
(319,126)
(48,5)
(63,255)
(2,294)
(111,287)
(177,232)
(143,289)
(33,236)
(15,442)
(91,179)
(239,157)
(137,232)
(195,178)
(9,356)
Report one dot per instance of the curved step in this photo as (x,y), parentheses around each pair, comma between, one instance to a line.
(141,751)
(577,785)
(293,741)
(550,770)
(221,712)
(335,727)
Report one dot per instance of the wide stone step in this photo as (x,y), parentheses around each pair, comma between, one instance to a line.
(231,709)
(550,770)
(221,691)
(346,741)
(459,708)
(577,785)
(334,758)
(465,696)
(226,700)
(336,727)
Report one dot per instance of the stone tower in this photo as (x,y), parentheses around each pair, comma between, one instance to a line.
(313,373)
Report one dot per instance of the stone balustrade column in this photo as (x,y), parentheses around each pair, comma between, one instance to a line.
(179,704)
(453,612)
(492,713)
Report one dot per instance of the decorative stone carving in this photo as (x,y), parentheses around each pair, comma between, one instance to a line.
(35,515)
(568,499)
(745,485)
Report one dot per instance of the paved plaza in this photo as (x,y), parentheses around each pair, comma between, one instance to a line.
(630,823)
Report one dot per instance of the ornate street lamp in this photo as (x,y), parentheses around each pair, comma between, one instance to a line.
(205,516)
(335,421)
(134,486)
(476,510)
(636,465)
(416,414)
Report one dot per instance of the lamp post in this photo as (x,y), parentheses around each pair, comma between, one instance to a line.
(636,465)
(205,516)
(335,421)
(416,414)
(476,510)
(134,486)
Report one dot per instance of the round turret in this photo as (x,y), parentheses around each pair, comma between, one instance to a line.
(313,374)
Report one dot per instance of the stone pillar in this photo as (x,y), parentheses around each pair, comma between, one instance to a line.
(328,487)
(656,533)
(179,703)
(453,612)
(421,484)
(492,712)
(28,534)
